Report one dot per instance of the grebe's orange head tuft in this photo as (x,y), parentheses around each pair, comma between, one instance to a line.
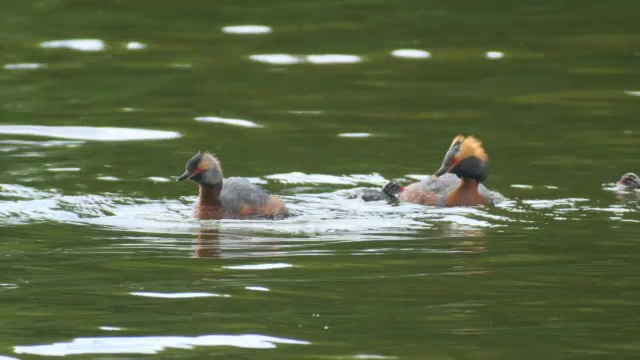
(630,181)
(466,158)
(203,168)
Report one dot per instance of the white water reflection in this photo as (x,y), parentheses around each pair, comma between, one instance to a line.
(355,135)
(134,45)
(568,203)
(302,178)
(277,59)
(181,66)
(521,186)
(227,121)
(158,179)
(69,169)
(110,328)
(75,44)
(259,266)
(325,216)
(108,178)
(246,29)
(46,143)
(494,55)
(333,59)
(318,59)
(374,357)
(152,344)
(186,295)
(411,54)
(257,288)
(88,132)
(24,66)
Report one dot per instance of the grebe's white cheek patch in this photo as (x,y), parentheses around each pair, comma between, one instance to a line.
(411,54)
(247,29)
(75,44)
(89,132)
(227,121)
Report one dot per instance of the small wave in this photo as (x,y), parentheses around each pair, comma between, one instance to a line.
(152,344)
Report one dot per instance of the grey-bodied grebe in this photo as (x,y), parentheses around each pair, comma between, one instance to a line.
(230,198)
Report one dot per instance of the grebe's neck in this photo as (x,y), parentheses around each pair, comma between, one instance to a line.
(209,205)
(210,194)
(466,194)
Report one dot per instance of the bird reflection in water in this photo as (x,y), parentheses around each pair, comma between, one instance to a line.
(208,243)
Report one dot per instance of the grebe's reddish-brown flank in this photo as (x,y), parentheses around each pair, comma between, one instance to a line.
(230,198)
(458,182)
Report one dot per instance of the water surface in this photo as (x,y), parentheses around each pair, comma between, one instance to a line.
(104,102)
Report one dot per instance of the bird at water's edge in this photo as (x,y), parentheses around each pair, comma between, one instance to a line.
(230,198)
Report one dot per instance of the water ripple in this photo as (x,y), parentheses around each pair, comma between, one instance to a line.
(75,44)
(88,132)
(259,266)
(330,216)
(152,344)
(302,178)
(494,55)
(246,29)
(234,122)
(189,295)
(411,54)
(24,66)
(317,59)
(134,45)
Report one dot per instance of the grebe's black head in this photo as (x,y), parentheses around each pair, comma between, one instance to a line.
(203,168)
(466,158)
(630,181)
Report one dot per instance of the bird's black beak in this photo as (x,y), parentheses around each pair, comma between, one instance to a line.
(184,176)
(443,170)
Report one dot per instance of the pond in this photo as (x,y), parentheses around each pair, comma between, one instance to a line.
(105,101)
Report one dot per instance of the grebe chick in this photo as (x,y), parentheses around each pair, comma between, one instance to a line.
(231,198)
(456,183)
(630,181)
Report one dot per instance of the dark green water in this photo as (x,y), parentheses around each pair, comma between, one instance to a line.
(101,262)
